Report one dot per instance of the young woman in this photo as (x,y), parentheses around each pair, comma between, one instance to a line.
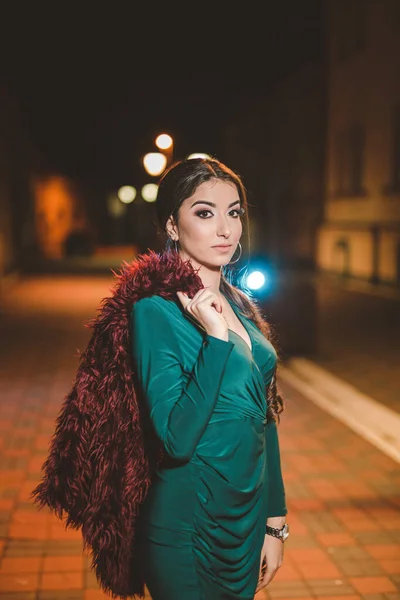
(213,523)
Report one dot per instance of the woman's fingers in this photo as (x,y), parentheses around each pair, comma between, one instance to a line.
(267,576)
(184,299)
(200,298)
(206,308)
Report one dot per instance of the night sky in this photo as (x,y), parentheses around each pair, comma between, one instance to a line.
(95,86)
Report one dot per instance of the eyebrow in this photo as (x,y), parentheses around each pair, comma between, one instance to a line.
(212,203)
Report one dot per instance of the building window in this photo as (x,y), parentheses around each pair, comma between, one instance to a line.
(350,27)
(350,150)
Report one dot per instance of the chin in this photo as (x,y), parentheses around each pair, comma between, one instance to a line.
(211,261)
(216,262)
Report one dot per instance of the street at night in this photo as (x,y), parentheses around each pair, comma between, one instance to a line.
(219,190)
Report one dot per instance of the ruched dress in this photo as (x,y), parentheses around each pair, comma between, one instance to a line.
(202,525)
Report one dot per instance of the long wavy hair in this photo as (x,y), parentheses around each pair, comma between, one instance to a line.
(179,182)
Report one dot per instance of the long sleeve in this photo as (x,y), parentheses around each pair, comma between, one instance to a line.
(179,407)
(276,505)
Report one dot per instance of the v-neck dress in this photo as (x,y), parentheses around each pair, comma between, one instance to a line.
(202,524)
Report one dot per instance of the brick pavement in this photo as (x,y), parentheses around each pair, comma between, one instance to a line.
(343,494)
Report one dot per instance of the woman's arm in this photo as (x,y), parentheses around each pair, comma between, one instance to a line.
(179,410)
(276,503)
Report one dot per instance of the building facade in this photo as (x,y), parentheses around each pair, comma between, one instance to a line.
(360,233)
(277,145)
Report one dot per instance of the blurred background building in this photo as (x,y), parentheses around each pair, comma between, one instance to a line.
(17,159)
(360,233)
(60,218)
(276,143)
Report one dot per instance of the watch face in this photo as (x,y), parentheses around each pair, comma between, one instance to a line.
(285,532)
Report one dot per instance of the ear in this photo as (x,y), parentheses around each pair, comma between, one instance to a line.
(172,229)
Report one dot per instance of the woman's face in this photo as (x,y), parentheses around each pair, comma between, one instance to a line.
(209,224)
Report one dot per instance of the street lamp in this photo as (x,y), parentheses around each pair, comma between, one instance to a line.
(127,194)
(154,163)
(199,155)
(165,143)
(149,192)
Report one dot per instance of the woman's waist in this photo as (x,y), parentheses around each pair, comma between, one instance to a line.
(242,413)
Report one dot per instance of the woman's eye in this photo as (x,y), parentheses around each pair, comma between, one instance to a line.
(203,214)
(239,212)
(200,213)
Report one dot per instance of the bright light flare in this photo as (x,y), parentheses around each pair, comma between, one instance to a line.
(127,194)
(149,192)
(154,163)
(255,280)
(199,155)
(164,141)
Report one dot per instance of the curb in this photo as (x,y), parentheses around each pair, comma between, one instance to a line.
(372,420)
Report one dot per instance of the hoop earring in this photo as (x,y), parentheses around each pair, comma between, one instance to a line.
(173,244)
(240,254)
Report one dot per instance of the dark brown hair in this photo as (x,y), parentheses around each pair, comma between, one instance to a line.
(179,182)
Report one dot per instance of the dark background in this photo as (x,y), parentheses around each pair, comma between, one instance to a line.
(95,85)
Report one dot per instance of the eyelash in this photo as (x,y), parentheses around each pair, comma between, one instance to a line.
(241,212)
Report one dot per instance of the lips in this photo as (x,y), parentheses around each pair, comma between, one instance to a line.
(223,246)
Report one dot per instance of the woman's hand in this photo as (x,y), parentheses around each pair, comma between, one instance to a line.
(206,307)
(271,560)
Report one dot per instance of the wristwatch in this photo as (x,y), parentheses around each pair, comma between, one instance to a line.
(282,534)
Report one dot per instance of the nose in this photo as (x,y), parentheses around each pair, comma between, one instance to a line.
(223,227)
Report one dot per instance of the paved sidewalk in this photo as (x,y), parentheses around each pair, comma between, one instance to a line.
(343,494)
(359,333)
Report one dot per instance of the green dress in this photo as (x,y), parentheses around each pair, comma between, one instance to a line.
(203,521)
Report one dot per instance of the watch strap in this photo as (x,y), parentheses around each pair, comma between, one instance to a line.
(275,532)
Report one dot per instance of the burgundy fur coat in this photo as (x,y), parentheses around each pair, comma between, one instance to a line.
(100,462)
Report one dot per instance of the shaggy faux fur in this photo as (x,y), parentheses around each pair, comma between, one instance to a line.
(100,463)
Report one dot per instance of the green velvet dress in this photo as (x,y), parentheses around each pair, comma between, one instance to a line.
(203,521)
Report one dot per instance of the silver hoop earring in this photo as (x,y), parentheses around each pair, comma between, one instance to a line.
(240,254)
(173,244)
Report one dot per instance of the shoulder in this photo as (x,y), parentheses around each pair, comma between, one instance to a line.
(152,303)
(153,307)
(153,322)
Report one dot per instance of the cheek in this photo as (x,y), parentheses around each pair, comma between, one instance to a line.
(236,229)
(198,229)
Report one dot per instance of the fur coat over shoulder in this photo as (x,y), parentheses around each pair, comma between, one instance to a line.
(100,461)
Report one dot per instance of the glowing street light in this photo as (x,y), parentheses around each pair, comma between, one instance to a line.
(164,141)
(255,280)
(199,155)
(126,194)
(154,163)
(149,192)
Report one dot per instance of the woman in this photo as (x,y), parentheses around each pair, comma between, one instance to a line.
(213,521)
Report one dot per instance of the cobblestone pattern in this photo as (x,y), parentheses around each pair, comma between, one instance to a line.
(343,494)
